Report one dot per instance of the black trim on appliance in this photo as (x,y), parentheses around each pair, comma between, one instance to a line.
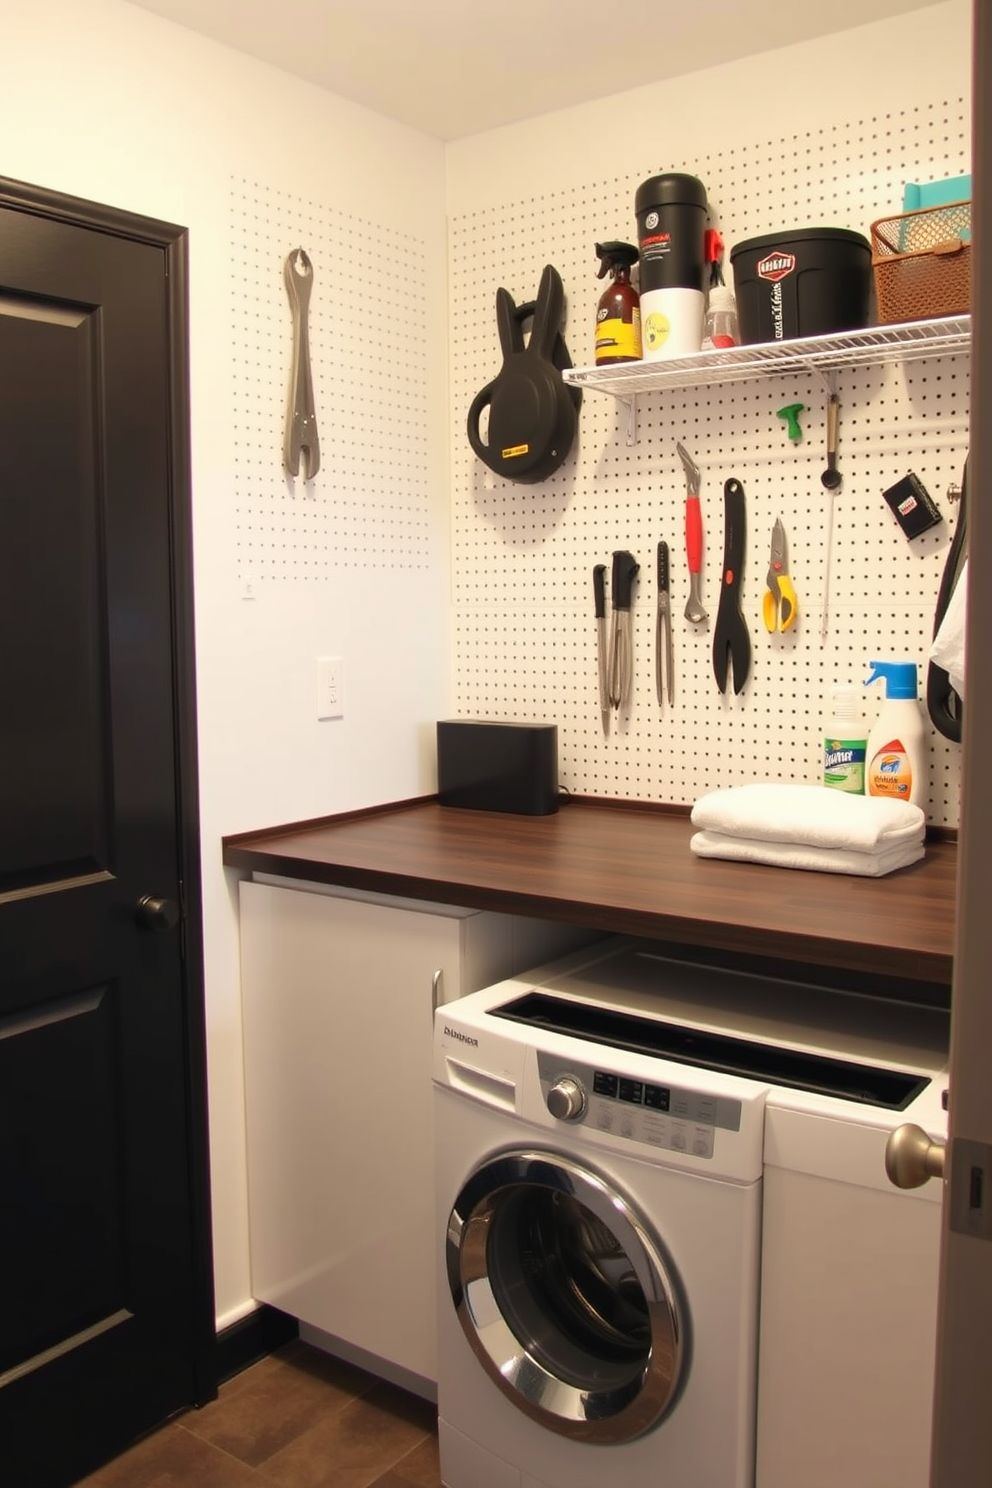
(252,1338)
(833,979)
(819,1073)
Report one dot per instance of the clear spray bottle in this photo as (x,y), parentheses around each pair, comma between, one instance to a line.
(720,327)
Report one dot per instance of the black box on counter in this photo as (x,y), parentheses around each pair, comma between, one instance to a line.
(498,766)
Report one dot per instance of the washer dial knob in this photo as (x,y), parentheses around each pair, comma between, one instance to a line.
(566,1099)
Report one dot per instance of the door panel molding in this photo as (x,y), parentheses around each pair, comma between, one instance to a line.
(57,885)
(25,307)
(84,1336)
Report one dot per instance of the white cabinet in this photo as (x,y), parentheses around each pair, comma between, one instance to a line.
(848,1325)
(337,1002)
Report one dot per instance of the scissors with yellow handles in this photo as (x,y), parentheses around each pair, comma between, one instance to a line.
(780,605)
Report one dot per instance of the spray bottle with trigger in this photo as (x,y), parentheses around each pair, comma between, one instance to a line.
(720,325)
(618,314)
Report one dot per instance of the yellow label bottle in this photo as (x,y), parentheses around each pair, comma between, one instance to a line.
(618,315)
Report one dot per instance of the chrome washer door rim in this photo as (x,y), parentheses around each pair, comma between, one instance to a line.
(605,1416)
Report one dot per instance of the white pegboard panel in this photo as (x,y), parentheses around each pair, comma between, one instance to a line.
(525,642)
(367,505)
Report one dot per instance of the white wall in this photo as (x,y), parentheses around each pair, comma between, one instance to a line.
(854,74)
(104,101)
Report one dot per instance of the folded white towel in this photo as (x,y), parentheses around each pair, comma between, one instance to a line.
(812,815)
(815,859)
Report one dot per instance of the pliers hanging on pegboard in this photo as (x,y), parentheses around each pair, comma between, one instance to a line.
(301,418)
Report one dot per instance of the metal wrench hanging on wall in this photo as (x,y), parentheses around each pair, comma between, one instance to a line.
(301,419)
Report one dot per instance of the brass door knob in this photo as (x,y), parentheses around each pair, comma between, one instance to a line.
(911,1157)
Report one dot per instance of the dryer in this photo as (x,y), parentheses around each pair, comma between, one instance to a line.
(599,1130)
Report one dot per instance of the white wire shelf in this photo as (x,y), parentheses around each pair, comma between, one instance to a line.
(889,343)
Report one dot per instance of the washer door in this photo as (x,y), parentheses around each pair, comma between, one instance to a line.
(564,1297)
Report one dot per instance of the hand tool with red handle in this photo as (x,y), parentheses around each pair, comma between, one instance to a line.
(693,537)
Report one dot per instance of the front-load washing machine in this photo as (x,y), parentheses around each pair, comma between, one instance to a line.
(599,1130)
(600,1213)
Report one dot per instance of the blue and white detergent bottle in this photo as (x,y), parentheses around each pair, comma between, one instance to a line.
(895,757)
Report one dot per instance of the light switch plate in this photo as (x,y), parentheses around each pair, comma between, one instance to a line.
(330,687)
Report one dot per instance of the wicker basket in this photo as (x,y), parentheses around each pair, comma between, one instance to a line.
(922,263)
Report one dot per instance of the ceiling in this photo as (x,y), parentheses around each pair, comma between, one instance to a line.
(451,68)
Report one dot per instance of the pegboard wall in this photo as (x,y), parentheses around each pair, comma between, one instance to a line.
(367,505)
(525,639)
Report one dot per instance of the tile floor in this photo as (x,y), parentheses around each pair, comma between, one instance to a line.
(297,1419)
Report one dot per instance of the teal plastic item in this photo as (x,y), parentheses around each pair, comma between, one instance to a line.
(918,195)
(899,678)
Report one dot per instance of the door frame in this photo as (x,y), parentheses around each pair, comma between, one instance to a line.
(74,211)
(960,1456)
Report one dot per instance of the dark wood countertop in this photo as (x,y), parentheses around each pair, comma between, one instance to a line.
(626,868)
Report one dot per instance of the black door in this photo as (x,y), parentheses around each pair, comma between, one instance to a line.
(105,1296)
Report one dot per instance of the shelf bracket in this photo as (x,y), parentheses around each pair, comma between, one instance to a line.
(828,380)
(629,404)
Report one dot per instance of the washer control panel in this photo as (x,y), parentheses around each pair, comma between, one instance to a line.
(675,1118)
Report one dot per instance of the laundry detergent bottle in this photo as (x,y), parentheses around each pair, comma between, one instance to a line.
(895,756)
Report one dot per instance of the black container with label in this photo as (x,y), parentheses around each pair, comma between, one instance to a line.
(671,236)
(812,281)
(671,227)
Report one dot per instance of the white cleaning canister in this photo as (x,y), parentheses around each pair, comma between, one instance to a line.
(844,743)
(896,753)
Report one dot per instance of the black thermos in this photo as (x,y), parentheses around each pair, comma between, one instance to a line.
(671,235)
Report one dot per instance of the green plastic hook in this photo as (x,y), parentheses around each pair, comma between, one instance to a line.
(791,414)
